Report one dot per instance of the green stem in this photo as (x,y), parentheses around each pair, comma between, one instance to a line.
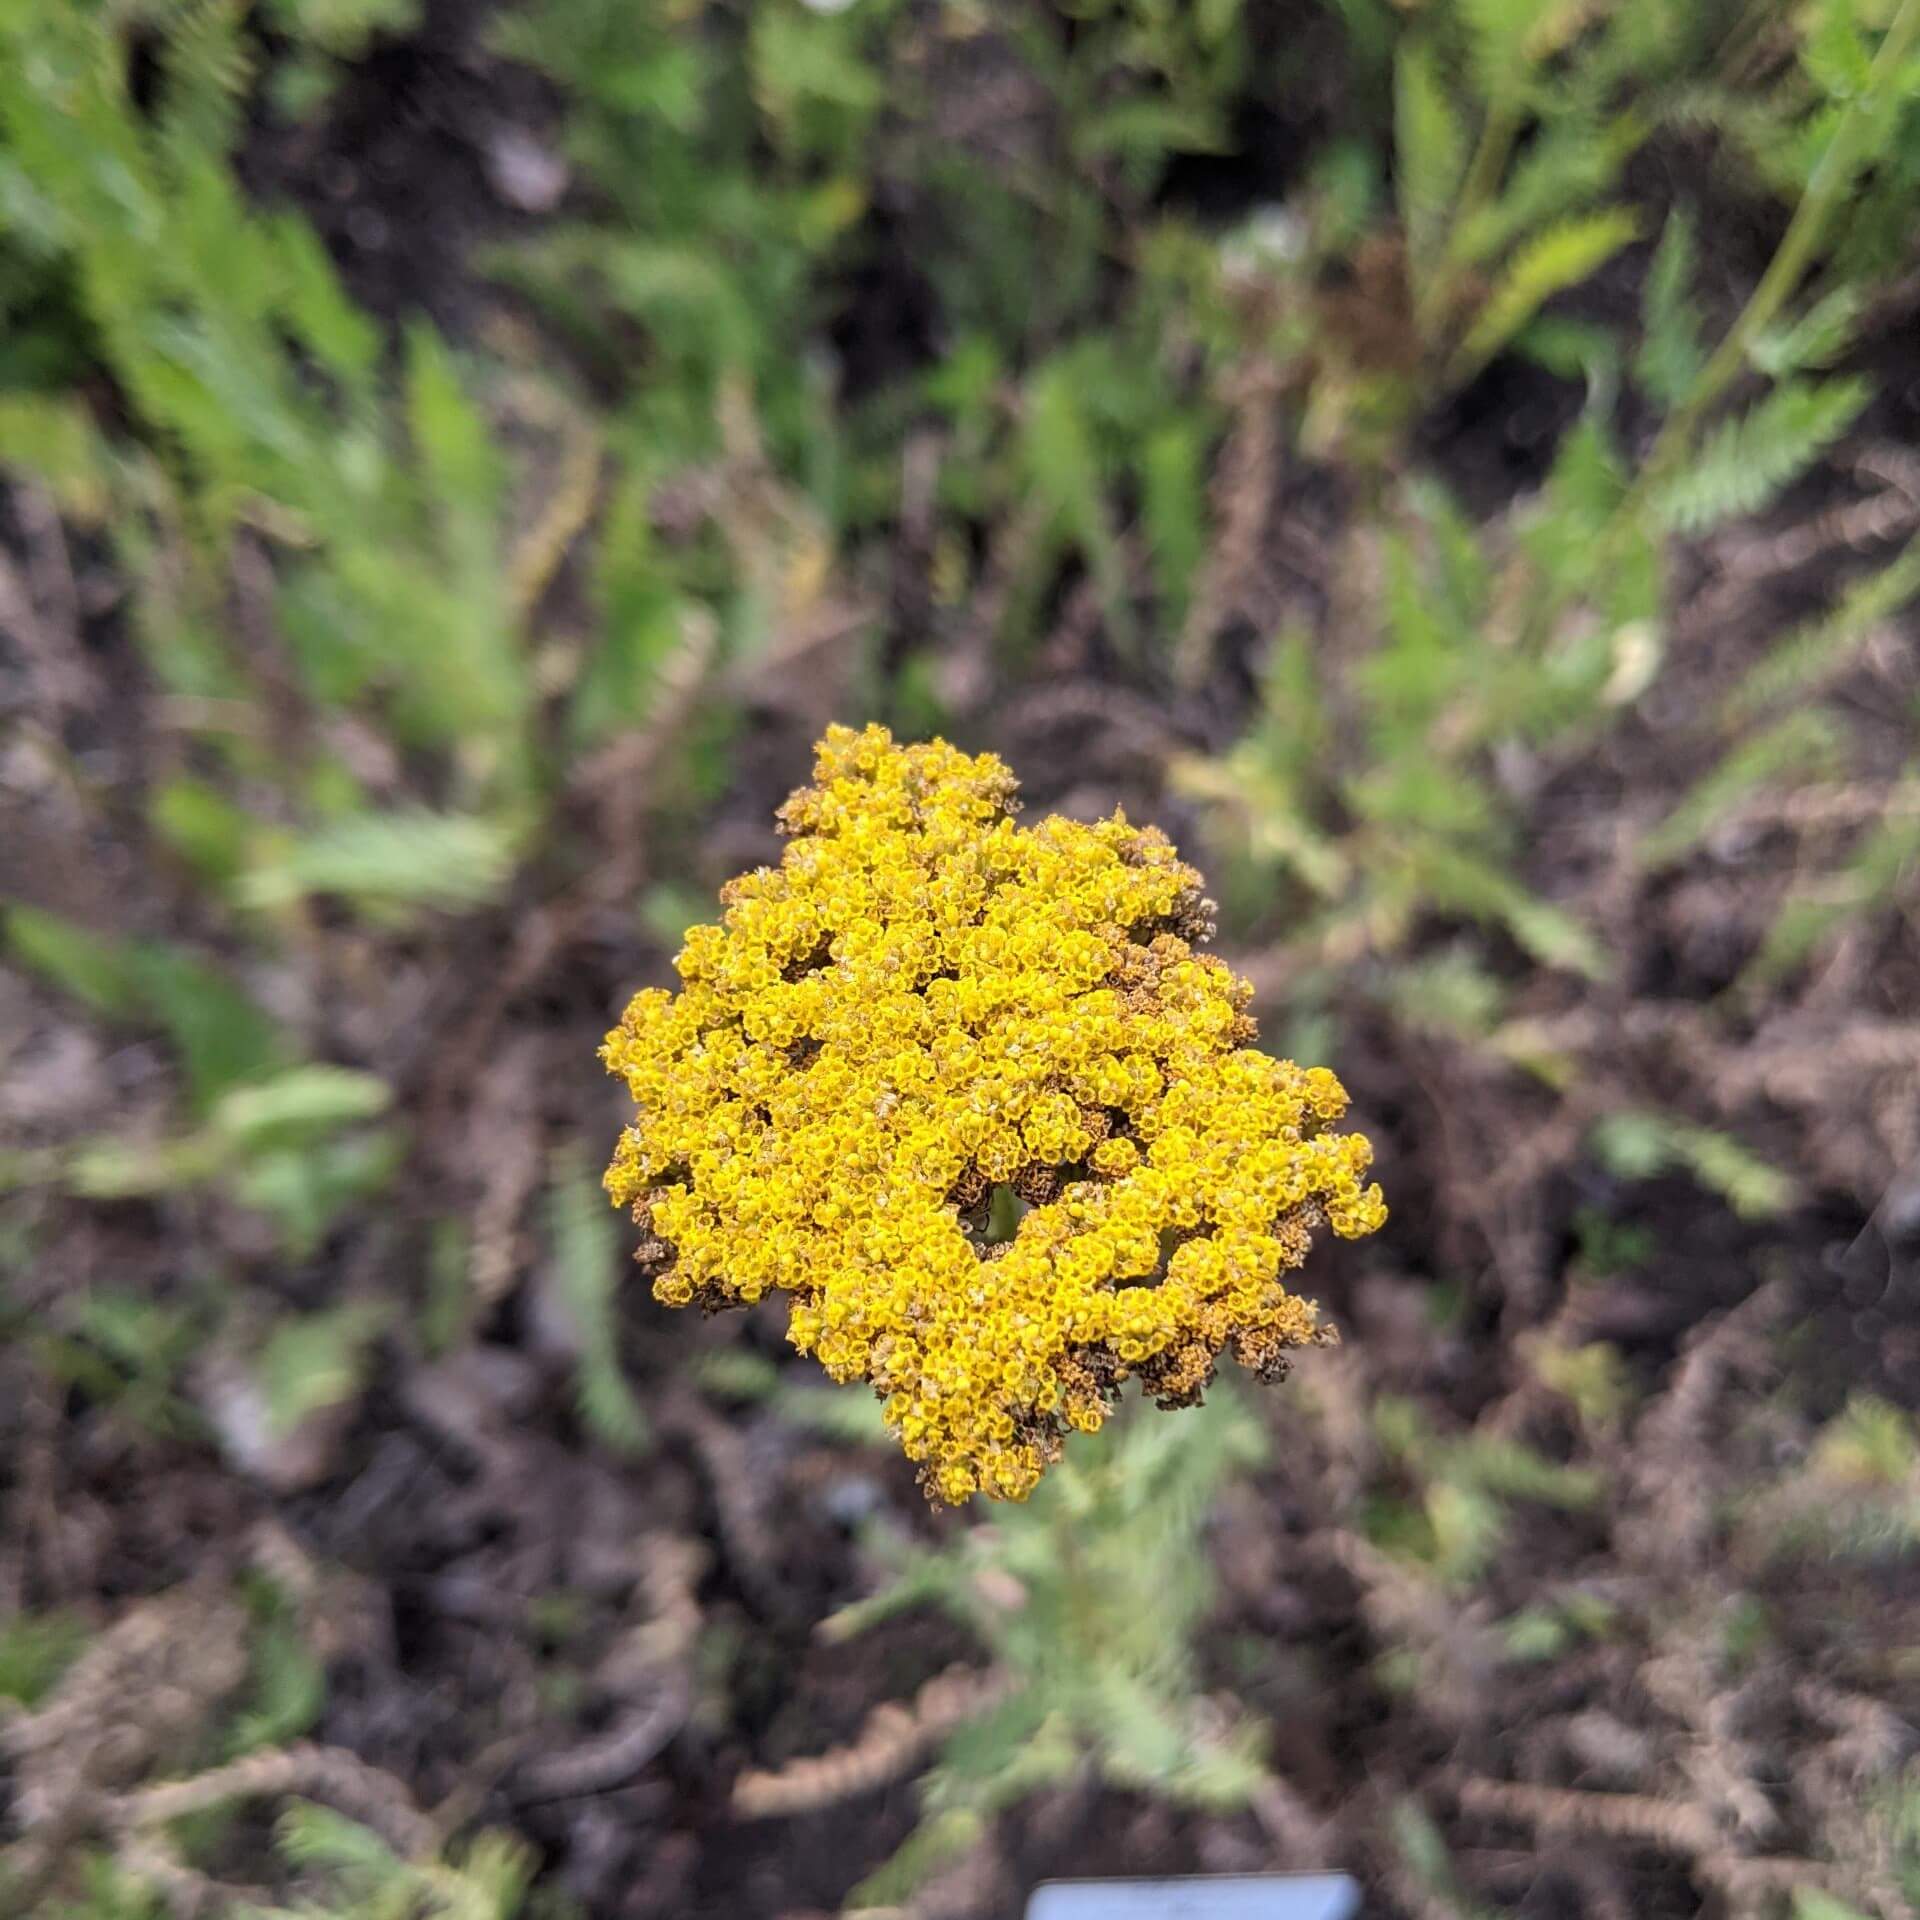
(1497,134)
(1489,162)
(1833,175)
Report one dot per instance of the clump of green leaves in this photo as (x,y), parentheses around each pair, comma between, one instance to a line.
(728,167)
(299,1142)
(350,1873)
(1388,778)
(219,1033)
(258,393)
(1089,1598)
(1512,127)
(286,1689)
(1427,1861)
(289,485)
(129,1353)
(1372,798)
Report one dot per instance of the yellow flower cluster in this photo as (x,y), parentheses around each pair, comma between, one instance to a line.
(926,1001)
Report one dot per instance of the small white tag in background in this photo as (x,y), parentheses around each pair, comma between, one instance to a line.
(1224,1896)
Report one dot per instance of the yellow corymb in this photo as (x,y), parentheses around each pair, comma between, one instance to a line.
(925,1001)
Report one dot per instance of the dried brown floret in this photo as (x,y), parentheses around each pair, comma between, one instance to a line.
(1037,1184)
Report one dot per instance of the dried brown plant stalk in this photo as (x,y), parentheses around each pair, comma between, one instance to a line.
(890,1740)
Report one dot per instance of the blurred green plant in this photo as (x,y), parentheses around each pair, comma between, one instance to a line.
(1089,1598)
(298,1142)
(739,1374)
(221,1035)
(261,434)
(1637,1145)
(1856,1496)
(1386,781)
(1374,796)
(1553,1629)
(287,484)
(309,1362)
(1427,1861)
(35,1650)
(323,38)
(729,163)
(1466,1484)
(587,1263)
(355,1875)
(128,1353)
(342,1869)
(286,1688)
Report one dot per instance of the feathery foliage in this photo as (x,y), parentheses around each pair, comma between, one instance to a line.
(587,1264)
(1748,460)
(355,1875)
(1089,1598)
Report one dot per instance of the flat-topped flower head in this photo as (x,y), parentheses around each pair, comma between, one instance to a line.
(925,1003)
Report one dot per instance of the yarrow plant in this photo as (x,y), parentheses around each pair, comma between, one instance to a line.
(925,1003)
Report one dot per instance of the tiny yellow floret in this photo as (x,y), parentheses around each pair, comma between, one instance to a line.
(923,1003)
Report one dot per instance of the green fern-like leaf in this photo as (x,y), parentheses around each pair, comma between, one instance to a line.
(650,640)
(224,1038)
(1871,879)
(1637,1144)
(1835,53)
(411,857)
(297,1107)
(1424,1856)
(288,1689)
(1568,165)
(1670,354)
(1814,653)
(1430,153)
(1502,36)
(1747,461)
(587,1265)
(1796,745)
(854,1419)
(1562,257)
(1067,469)
(933,1844)
(54,442)
(310,1835)
(984,1747)
(1448,993)
(1456,879)
(221,1034)
(97,971)
(1816,339)
(313,1361)
(1516,1471)
(35,1650)
(207,66)
(1870,1442)
(1101,1644)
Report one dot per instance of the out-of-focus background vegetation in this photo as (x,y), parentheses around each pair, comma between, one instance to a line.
(1451,462)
